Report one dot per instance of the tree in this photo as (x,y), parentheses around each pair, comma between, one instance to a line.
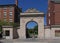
(3,23)
(36,29)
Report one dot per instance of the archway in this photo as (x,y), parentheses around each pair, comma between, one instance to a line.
(31,29)
(28,16)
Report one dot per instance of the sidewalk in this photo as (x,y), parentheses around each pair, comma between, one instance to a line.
(29,41)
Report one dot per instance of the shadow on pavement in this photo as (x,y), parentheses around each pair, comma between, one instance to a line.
(1,42)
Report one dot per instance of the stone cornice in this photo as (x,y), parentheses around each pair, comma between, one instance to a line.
(31,14)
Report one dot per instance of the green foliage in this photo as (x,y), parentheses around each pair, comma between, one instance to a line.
(2,23)
(36,29)
(0,29)
(33,31)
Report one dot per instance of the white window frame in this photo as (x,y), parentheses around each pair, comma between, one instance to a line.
(49,14)
(49,21)
(10,14)
(10,20)
(5,14)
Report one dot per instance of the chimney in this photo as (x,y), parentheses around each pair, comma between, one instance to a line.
(16,2)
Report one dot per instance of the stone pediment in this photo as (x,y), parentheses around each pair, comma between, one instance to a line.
(32,10)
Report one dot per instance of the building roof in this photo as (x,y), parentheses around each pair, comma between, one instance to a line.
(7,5)
(7,2)
(56,1)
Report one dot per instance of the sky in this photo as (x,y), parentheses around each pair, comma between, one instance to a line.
(40,5)
(30,25)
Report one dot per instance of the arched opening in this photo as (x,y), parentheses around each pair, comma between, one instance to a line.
(31,29)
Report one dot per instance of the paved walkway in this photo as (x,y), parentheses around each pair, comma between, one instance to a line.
(29,41)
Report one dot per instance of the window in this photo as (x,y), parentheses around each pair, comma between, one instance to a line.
(49,14)
(0,8)
(54,11)
(10,14)
(4,19)
(11,20)
(49,8)
(57,33)
(0,14)
(7,33)
(49,21)
(11,8)
(5,8)
(5,14)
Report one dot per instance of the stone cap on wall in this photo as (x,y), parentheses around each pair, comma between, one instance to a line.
(47,27)
(7,26)
(55,26)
